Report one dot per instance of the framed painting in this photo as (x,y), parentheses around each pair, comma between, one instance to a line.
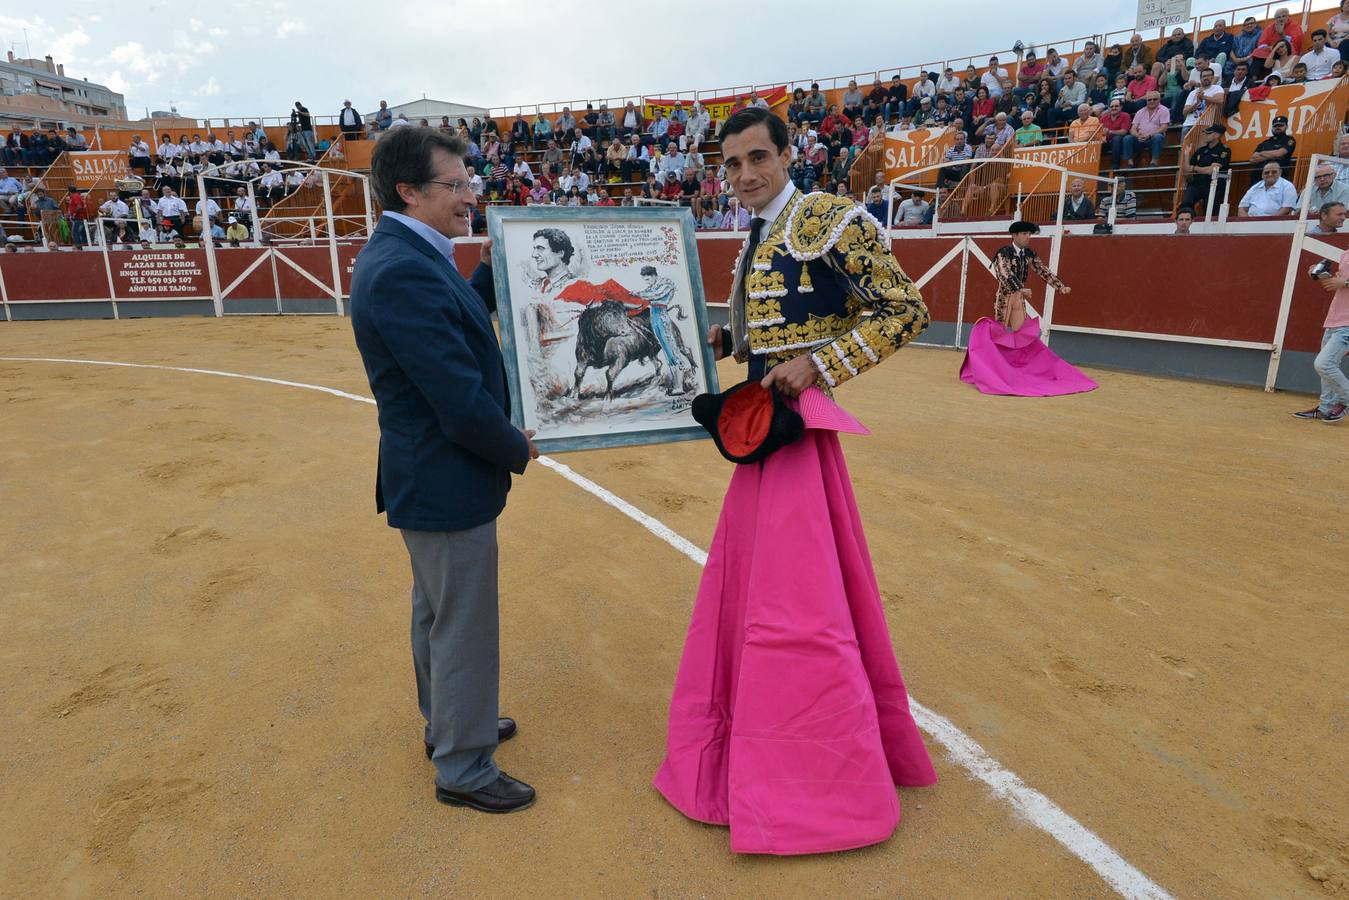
(603,323)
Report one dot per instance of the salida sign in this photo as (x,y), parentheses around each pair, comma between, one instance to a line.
(906,151)
(1314,111)
(98,169)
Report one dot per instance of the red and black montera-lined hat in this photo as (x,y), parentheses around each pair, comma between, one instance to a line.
(748,421)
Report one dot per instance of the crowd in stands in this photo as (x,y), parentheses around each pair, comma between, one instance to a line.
(157,213)
(1125,96)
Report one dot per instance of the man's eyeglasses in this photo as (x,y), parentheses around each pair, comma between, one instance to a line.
(456,187)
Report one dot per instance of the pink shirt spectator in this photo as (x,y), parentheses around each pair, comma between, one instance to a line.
(1138,87)
(1338,314)
(1029,74)
(1150,121)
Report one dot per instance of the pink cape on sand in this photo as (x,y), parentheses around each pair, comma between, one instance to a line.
(999,361)
(790,722)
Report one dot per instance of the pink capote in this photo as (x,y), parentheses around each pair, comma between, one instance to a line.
(790,721)
(999,361)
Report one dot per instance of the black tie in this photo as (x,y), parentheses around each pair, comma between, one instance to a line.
(754,227)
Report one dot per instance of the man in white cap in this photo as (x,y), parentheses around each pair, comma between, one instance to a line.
(236,230)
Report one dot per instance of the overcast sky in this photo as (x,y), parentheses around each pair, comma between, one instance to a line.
(256,57)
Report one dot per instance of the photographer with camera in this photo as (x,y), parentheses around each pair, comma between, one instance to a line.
(1334,398)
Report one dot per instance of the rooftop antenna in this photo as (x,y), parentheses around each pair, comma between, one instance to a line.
(27,47)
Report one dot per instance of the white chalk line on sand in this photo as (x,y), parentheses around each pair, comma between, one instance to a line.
(1030,804)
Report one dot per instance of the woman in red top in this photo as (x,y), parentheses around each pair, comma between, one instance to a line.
(982,109)
(1116,122)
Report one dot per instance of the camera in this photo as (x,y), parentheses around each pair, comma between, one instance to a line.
(1320,270)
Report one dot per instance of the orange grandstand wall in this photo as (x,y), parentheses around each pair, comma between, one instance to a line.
(1027,180)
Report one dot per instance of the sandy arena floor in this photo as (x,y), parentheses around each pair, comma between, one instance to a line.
(1133,599)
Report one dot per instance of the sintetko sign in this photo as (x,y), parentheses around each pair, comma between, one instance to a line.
(1163,13)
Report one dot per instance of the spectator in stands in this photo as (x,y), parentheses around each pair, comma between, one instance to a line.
(1184,219)
(631,122)
(1119,194)
(1320,58)
(589,122)
(958,152)
(1280,147)
(1077,206)
(237,231)
(1112,62)
(16,143)
(384,117)
(638,161)
(1338,28)
(543,131)
(1120,91)
(993,78)
(814,105)
(1208,160)
(77,215)
(982,109)
(1099,96)
(1055,66)
(1236,88)
(1002,130)
(1028,76)
(1244,44)
(139,154)
(1085,127)
(349,120)
(606,127)
(1330,218)
(1177,45)
(1281,61)
(172,209)
(989,147)
(1199,99)
(852,101)
(916,210)
(1284,29)
(1218,46)
(301,118)
(1116,125)
(1325,189)
(566,122)
(144,207)
(1175,85)
(10,188)
(271,184)
(1088,64)
(1029,134)
(114,212)
(1273,195)
(947,83)
(736,217)
(1140,82)
(1137,55)
(796,108)
(923,118)
(1148,128)
(1071,95)
(923,87)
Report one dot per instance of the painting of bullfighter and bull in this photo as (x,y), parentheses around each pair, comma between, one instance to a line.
(602,323)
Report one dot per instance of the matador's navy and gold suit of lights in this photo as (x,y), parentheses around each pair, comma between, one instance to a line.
(822,264)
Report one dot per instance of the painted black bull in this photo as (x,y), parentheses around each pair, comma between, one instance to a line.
(609,339)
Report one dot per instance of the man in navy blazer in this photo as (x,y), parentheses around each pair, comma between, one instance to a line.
(447,449)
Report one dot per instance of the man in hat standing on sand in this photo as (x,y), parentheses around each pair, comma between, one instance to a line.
(789,721)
